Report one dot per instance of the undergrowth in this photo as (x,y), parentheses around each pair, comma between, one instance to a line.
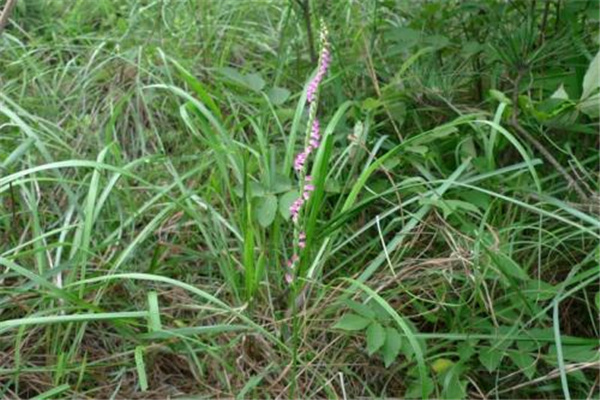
(146,178)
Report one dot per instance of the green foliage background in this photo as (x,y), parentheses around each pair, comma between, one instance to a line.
(145,180)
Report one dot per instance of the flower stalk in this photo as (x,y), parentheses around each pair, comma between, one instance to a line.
(312,141)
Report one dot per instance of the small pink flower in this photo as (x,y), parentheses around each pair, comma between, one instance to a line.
(295,208)
(313,86)
(302,240)
(316,126)
(299,161)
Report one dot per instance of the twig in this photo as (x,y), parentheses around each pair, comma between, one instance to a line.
(8,8)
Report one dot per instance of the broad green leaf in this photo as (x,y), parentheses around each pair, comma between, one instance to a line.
(398,112)
(560,93)
(437,41)
(255,82)
(360,308)
(255,189)
(278,95)
(590,106)
(466,349)
(382,314)
(490,358)
(453,388)
(286,201)
(528,346)
(370,104)
(391,347)
(591,80)
(405,37)
(472,47)
(375,337)
(415,391)
(233,75)
(266,210)
(281,183)
(524,362)
(352,322)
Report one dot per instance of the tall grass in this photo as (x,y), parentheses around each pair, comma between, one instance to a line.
(146,153)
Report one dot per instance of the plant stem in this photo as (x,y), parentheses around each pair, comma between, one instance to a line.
(8,8)
(305,6)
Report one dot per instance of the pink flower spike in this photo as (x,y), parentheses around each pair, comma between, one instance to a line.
(302,235)
(289,278)
(312,88)
(302,244)
(295,258)
(309,187)
(299,161)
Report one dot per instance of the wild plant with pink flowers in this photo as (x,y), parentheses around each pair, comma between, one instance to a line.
(311,144)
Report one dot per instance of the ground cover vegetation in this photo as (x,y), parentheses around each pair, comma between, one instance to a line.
(446,240)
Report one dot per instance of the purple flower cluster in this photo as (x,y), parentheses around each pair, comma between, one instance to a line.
(323,66)
(312,143)
(299,202)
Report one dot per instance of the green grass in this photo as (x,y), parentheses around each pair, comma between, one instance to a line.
(453,240)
